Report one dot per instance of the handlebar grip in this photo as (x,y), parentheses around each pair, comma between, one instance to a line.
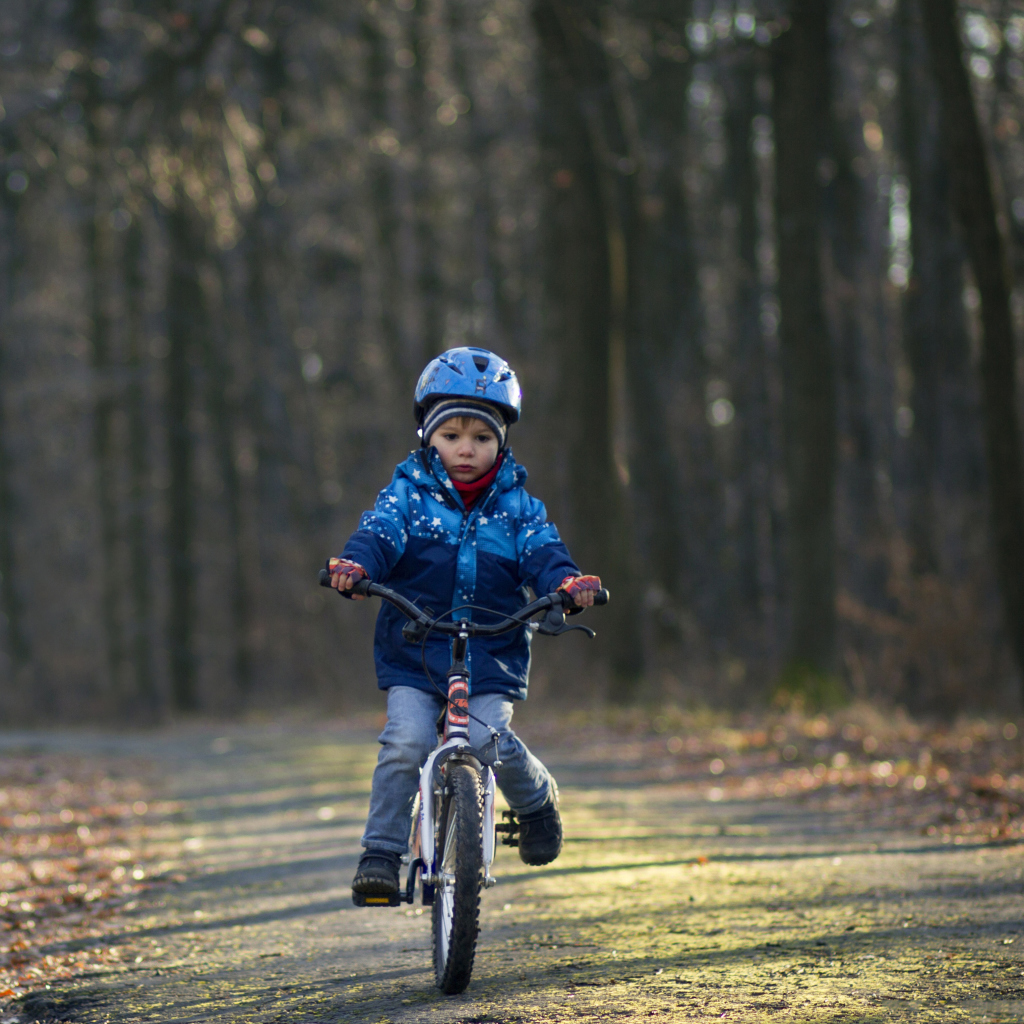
(362,587)
(602,596)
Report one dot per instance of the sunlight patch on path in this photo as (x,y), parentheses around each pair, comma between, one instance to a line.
(662,905)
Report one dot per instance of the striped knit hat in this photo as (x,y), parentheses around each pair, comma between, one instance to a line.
(448,408)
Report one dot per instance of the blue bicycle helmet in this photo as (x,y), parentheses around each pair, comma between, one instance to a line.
(471,373)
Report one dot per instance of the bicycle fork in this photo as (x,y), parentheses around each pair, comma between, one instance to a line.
(455,746)
(430,790)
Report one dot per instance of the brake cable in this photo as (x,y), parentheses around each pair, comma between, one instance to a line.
(426,671)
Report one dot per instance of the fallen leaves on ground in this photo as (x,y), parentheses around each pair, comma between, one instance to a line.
(78,842)
(73,851)
(961,781)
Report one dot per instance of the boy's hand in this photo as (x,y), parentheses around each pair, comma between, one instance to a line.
(581,589)
(345,575)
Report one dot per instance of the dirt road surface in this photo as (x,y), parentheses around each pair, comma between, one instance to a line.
(672,901)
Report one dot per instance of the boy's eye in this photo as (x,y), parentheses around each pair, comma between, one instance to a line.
(483,438)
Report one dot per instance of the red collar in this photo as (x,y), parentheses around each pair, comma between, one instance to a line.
(471,491)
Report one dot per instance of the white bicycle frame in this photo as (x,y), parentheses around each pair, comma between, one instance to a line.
(456,743)
(429,791)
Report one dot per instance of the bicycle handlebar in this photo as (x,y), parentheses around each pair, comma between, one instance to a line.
(559,599)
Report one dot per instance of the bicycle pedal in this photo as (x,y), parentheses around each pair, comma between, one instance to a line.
(395,899)
(511,828)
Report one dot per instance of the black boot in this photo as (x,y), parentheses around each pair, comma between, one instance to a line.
(540,834)
(377,873)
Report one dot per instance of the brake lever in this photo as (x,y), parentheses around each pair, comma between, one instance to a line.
(415,631)
(583,629)
(558,631)
(554,625)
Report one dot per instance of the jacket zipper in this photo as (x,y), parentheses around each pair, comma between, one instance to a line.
(448,499)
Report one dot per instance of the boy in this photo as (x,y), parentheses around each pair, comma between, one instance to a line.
(455,527)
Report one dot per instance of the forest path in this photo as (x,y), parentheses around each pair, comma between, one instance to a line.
(663,905)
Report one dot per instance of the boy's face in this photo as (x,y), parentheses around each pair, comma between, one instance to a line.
(468,448)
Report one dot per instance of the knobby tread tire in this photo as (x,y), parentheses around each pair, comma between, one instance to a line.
(461,835)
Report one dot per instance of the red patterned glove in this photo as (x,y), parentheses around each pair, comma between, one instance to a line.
(579,586)
(342,570)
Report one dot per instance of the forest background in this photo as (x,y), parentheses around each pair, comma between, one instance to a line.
(759,266)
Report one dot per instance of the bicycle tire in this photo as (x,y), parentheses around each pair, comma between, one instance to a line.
(456,911)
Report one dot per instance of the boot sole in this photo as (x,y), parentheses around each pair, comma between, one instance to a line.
(375,887)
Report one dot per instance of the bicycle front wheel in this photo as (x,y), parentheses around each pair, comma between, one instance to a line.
(456,913)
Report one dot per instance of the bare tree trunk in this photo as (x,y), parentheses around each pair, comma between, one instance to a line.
(591,218)
(756,555)
(801,101)
(853,263)
(10,600)
(864,524)
(140,553)
(97,249)
(184,326)
(223,416)
(498,326)
(664,312)
(18,647)
(284,421)
(975,207)
(923,313)
(384,199)
(428,280)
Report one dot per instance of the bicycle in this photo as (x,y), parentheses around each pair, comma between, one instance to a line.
(453,836)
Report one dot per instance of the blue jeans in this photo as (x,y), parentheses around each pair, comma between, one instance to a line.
(410,736)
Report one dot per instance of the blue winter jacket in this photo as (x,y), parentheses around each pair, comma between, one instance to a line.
(420,540)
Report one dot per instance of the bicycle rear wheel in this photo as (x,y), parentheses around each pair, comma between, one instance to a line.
(456,911)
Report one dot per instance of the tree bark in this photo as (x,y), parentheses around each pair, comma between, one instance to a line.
(497,328)
(854,266)
(801,102)
(184,323)
(974,204)
(919,305)
(934,325)
(429,286)
(140,553)
(384,194)
(664,311)
(18,646)
(591,218)
(97,249)
(223,417)
(756,561)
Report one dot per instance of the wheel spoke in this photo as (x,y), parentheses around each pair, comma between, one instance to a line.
(446,923)
(448,882)
(457,894)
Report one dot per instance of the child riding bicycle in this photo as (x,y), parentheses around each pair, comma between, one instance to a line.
(456,529)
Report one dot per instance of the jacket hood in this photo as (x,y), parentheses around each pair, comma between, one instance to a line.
(423,468)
